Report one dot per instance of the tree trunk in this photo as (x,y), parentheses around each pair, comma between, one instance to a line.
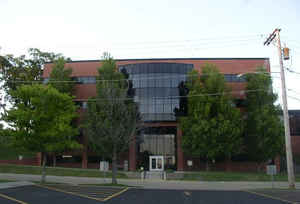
(114,166)
(260,166)
(207,165)
(54,160)
(228,164)
(44,168)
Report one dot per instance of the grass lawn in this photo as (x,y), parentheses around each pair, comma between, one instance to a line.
(233,176)
(188,176)
(5,181)
(106,184)
(18,169)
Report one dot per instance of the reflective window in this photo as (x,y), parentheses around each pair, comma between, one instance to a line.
(157,80)
(84,105)
(158,144)
(156,88)
(85,80)
(234,78)
(81,104)
(295,122)
(46,80)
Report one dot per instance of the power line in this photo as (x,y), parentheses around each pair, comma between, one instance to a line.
(293,91)
(185,43)
(292,40)
(176,97)
(146,78)
(189,40)
(191,48)
(292,97)
(189,45)
(291,71)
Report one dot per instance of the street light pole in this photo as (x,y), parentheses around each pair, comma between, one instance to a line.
(289,155)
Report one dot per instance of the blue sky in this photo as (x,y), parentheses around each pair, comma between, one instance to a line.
(156,28)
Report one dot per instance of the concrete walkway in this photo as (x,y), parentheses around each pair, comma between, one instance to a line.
(15,184)
(152,184)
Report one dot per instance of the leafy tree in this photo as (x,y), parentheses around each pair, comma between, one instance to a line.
(183,101)
(112,118)
(41,119)
(60,77)
(3,139)
(5,136)
(264,129)
(17,71)
(213,126)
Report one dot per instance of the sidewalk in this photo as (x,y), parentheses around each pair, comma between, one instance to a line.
(152,184)
(14,184)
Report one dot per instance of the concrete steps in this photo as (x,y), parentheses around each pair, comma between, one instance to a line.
(155,175)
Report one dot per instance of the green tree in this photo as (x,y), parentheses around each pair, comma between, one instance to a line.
(264,137)
(213,126)
(17,71)
(60,77)
(41,120)
(112,118)
(3,137)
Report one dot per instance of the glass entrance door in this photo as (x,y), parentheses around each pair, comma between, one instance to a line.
(156,163)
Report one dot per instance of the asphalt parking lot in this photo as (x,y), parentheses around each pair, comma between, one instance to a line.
(190,197)
(92,195)
(39,195)
(6,201)
(284,194)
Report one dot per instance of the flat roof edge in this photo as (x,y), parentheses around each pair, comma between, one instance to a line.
(143,59)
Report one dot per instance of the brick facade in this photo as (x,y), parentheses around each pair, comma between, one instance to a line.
(31,162)
(295,140)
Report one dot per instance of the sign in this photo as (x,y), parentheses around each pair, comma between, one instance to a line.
(126,165)
(271,170)
(190,163)
(104,166)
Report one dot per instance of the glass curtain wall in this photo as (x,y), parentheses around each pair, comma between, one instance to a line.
(156,90)
(157,141)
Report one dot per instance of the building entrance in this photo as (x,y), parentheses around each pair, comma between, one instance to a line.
(156,163)
(157,141)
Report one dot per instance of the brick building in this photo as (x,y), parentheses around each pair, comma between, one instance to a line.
(295,131)
(154,80)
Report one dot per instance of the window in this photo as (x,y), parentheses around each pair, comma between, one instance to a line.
(46,80)
(81,104)
(234,78)
(85,80)
(294,124)
(84,105)
(156,88)
(158,144)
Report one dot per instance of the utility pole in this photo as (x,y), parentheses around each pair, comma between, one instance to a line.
(288,147)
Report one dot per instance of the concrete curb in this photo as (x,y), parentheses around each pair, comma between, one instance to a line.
(15,184)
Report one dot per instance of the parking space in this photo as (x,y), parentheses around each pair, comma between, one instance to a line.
(8,200)
(137,196)
(66,194)
(50,195)
(100,193)
(292,196)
